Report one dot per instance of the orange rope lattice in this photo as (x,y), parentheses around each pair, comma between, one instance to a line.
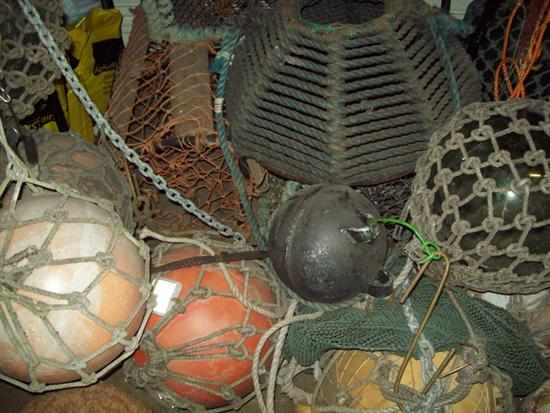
(163,107)
(523,62)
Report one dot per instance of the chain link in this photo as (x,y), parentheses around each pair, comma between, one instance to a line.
(103,125)
(4,95)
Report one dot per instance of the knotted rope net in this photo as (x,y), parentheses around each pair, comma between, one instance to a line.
(162,105)
(26,70)
(67,160)
(480,192)
(385,328)
(73,286)
(493,345)
(246,292)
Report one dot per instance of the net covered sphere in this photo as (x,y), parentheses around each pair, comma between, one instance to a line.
(72,287)
(204,344)
(482,192)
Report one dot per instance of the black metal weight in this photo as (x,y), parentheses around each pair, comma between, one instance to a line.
(326,245)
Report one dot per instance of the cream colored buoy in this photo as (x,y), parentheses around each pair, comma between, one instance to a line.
(73,284)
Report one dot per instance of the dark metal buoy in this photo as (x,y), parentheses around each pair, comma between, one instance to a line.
(326,246)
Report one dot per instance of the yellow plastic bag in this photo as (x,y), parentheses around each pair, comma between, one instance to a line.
(96,46)
(51,112)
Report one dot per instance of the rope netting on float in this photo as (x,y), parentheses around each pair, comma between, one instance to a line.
(198,351)
(65,258)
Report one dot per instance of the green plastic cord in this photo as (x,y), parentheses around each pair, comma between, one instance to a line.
(429,248)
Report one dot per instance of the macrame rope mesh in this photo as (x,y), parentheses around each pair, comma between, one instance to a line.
(162,105)
(517,165)
(17,294)
(26,70)
(66,159)
(153,375)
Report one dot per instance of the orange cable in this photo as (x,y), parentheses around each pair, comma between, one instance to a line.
(524,65)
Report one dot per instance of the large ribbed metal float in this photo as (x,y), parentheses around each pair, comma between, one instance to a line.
(345,92)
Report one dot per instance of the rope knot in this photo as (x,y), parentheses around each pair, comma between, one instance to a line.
(228,393)
(524,222)
(484,186)
(471,165)
(484,249)
(105,261)
(201,292)
(444,177)
(236,352)
(500,158)
(534,158)
(516,250)
(460,228)
(492,224)
(248,330)
(483,133)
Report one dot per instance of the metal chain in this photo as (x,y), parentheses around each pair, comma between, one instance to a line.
(103,125)
(4,96)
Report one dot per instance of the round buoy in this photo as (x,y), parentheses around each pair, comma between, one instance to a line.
(326,245)
(353,382)
(481,192)
(73,284)
(200,340)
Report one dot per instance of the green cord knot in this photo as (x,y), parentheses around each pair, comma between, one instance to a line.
(429,248)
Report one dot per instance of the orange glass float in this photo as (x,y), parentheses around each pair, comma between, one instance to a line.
(73,284)
(209,335)
(351,382)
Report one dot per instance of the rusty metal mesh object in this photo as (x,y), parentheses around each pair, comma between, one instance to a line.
(67,160)
(247,286)
(344,92)
(26,70)
(481,192)
(162,105)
